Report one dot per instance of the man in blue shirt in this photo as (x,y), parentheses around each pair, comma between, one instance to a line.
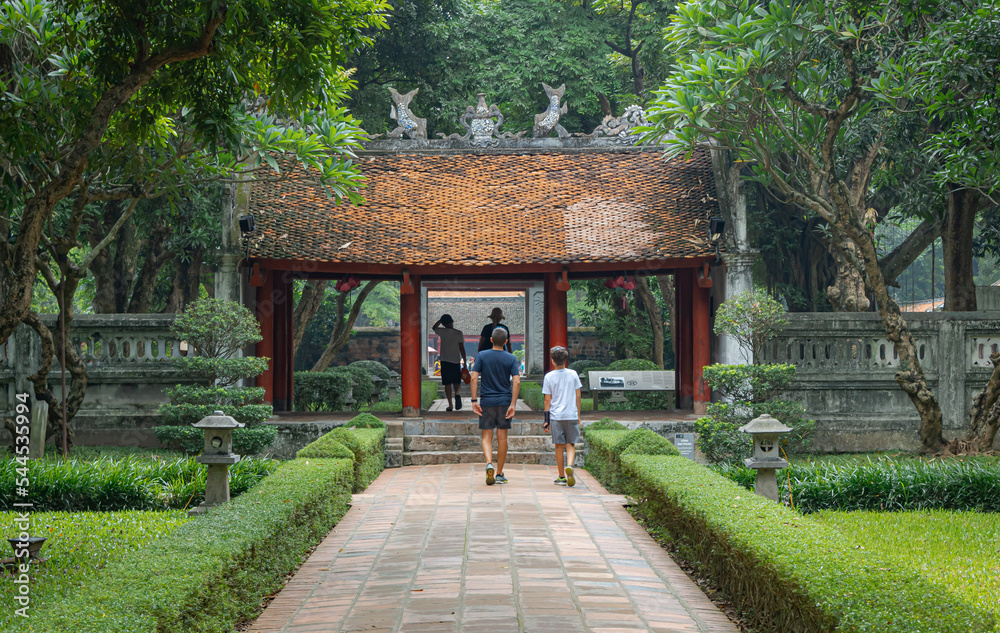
(501,383)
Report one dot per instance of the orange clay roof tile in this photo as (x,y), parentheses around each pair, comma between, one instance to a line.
(495,209)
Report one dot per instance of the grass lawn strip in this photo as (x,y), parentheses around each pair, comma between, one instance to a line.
(788,572)
(79,545)
(213,571)
(958,551)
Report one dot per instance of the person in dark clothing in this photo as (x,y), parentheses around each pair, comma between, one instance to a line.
(485,337)
(501,382)
(452,358)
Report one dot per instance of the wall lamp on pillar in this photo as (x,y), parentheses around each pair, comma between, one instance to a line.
(715,228)
(247,225)
(563,286)
(407,287)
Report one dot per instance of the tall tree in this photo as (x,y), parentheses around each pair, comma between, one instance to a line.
(785,86)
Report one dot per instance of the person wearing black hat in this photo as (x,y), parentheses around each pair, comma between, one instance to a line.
(485,337)
(452,356)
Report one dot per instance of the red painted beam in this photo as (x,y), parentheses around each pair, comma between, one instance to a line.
(283,366)
(410,348)
(557,315)
(646,267)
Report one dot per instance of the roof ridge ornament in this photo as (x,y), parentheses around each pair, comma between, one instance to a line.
(549,119)
(623,128)
(407,122)
(483,130)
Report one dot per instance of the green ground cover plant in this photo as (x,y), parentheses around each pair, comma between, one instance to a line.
(531,393)
(955,550)
(608,440)
(787,572)
(886,484)
(212,572)
(129,483)
(79,546)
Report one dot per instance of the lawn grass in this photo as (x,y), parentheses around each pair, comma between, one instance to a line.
(92,453)
(955,550)
(79,544)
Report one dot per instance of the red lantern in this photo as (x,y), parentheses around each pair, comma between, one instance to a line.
(629,283)
(610,284)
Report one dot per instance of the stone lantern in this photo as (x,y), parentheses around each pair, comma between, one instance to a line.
(766,459)
(218,455)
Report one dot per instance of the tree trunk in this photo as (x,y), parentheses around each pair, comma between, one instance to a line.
(655,317)
(126,258)
(956,237)
(75,367)
(307,307)
(156,258)
(900,258)
(910,377)
(984,416)
(113,269)
(848,293)
(342,331)
(187,277)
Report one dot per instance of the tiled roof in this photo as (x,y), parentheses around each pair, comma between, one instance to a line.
(495,208)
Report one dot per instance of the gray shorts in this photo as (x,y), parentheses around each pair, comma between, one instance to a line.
(565,431)
(494,418)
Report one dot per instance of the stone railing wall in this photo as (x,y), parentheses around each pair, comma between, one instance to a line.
(128,368)
(846,366)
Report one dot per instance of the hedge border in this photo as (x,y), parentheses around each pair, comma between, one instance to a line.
(365,444)
(213,571)
(786,571)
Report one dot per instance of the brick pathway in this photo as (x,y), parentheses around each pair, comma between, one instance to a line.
(433,549)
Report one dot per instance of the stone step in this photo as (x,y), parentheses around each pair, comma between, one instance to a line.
(540,443)
(442,427)
(427,458)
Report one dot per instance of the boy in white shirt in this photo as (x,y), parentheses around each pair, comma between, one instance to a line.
(561,388)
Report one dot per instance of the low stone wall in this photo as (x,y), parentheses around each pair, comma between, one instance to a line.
(128,367)
(845,367)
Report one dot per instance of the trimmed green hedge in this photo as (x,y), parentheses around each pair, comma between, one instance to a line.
(785,571)
(428,394)
(531,393)
(606,445)
(365,445)
(212,572)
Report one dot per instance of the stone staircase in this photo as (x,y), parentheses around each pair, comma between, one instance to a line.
(439,441)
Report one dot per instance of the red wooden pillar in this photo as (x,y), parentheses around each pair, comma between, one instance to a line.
(283,365)
(684,352)
(410,349)
(555,317)
(265,347)
(702,339)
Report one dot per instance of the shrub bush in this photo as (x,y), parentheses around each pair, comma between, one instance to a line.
(123,484)
(647,442)
(749,383)
(583,366)
(600,459)
(787,572)
(605,424)
(321,390)
(720,439)
(246,441)
(212,572)
(216,330)
(366,446)
(531,393)
(362,385)
(374,368)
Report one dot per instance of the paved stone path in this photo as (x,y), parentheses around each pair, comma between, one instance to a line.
(433,549)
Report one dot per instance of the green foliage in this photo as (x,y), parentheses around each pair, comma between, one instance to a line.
(79,546)
(246,441)
(531,393)
(583,367)
(366,446)
(633,364)
(619,317)
(647,442)
(720,439)
(428,393)
(212,572)
(749,383)
(606,424)
(753,318)
(366,421)
(221,371)
(600,460)
(321,390)
(886,485)
(122,484)
(216,328)
(362,385)
(373,367)
(786,572)
(957,549)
